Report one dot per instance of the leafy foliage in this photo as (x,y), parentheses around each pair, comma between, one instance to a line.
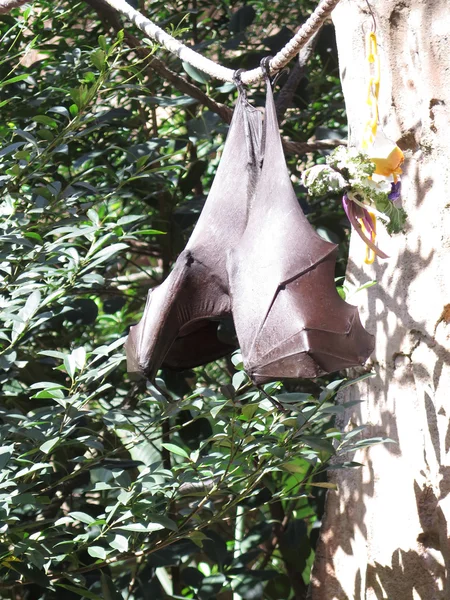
(113,488)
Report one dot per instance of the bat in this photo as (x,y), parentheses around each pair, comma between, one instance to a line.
(180,325)
(289,318)
(253,257)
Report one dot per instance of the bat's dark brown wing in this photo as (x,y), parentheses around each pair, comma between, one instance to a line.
(180,321)
(289,318)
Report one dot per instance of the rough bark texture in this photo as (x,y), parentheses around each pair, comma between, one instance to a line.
(386,532)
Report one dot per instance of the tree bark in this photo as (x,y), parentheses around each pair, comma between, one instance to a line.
(385,534)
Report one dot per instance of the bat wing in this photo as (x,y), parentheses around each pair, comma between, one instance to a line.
(179,327)
(289,318)
(176,313)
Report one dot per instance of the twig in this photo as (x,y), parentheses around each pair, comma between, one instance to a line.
(184,86)
(155,33)
(275,402)
(305,147)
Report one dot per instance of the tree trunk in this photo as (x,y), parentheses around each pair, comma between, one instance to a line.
(385,533)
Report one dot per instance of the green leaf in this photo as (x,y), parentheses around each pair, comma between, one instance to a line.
(249,410)
(236,359)
(11,148)
(357,379)
(120,543)
(127,219)
(30,572)
(103,43)
(294,398)
(109,590)
(140,527)
(354,431)
(294,468)
(34,236)
(97,552)
(173,449)
(162,520)
(149,232)
(32,469)
(195,73)
(79,95)
(47,384)
(79,356)
(366,285)
(98,58)
(31,305)
(70,365)
(48,446)
(318,443)
(80,591)
(5,455)
(198,538)
(55,393)
(14,80)
(82,517)
(44,120)
(324,484)
(239,379)
(53,354)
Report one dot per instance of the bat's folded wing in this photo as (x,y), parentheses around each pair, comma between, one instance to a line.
(180,327)
(175,329)
(307,330)
(289,318)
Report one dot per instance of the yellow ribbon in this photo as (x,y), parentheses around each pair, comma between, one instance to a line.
(383,152)
(373,90)
(370,254)
(371,128)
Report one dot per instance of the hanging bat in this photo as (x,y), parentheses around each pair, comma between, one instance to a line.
(181,321)
(289,318)
(253,256)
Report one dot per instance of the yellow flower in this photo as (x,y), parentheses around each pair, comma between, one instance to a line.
(386,155)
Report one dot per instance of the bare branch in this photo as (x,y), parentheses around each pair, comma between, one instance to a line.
(305,147)
(182,85)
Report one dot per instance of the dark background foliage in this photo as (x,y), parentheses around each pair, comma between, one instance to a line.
(111,488)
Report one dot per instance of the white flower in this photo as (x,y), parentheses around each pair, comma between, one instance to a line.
(379,185)
(324,175)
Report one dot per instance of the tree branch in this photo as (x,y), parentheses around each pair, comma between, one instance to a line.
(305,147)
(182,85)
